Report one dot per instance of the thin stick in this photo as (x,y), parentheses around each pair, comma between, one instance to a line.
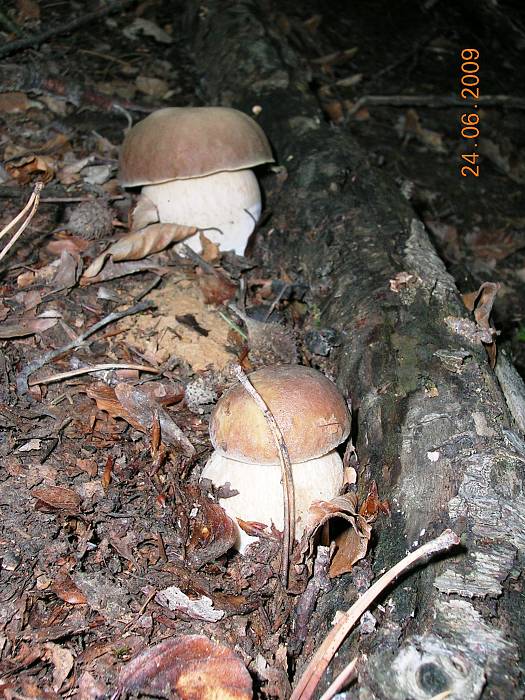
(436,101)
(64,28)
(307,684)
(94,368)
(35,195)
(341,680)
(21,380)
(286,474)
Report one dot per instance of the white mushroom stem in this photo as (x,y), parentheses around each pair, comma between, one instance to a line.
(227,204)
(260,492)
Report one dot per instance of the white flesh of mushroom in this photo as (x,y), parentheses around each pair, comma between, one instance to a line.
(260,497)
(228,204)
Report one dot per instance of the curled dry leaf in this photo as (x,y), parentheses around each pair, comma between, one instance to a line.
(24,169)
(140,244)
(373,505)
(194,608)
(352,541)
(481,303)
(139,408)
(143,214)
(190,667)
(57,498)
(114,270)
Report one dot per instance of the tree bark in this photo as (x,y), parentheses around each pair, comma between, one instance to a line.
(432,424)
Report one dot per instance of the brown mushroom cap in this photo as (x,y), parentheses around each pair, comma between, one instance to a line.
(307,406)
(184,142)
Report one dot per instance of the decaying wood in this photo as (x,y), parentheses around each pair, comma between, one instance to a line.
(431,417)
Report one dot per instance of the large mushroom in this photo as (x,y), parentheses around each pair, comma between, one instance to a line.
(314,420)
(194,167)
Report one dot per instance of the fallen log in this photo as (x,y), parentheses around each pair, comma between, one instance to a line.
(433,427)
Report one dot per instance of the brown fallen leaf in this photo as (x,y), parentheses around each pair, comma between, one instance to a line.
(155,87)
(57,498)
(373,505)
(62,660)
(212,532)
(68,271)
(24,169)
(26,326)
(14,102)
(143,214)
(352,541)
(112,271)
(495,244)
(138,408)
(481,303)
(215,287)
(190,667)
(65,589)
(140,244)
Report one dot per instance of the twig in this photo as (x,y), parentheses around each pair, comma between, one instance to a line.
(307,684)
(437,101)
(22,378)
(94,368)
(286,474)
(341,680)
(31,207)
(64,28)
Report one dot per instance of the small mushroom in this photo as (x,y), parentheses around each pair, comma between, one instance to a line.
(194,167)
(314,420)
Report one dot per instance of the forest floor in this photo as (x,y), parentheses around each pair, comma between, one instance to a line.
(100,519)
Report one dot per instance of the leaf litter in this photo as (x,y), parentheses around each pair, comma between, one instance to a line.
(106,514)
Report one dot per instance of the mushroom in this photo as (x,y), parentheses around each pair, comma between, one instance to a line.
(314,420)
(194,167)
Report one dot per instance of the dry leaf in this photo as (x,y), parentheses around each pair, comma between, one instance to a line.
(143,214)
(26,326)
(189,667)
(145,26)
(352,542)
(409,125)
(495,244)
(481,303)
(57,498)
(210,251)
(24,169)
(114,270)
(215,287)
(139,244)
(138,409)
(155,87)
(15,102)
(334,111)
(372,505)
(65,589)
(68,272)
(62,660)
(212,532)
